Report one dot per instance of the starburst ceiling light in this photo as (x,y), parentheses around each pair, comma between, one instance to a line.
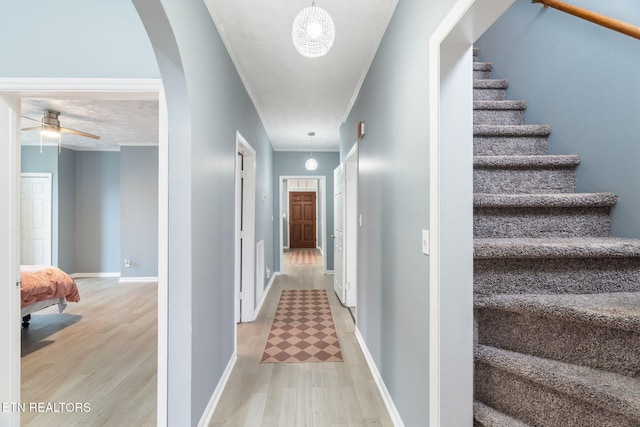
(313,31)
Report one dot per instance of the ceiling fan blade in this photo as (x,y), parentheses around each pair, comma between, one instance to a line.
(25,117)
(77,132)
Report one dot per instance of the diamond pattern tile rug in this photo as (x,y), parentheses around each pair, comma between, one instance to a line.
(303,329)
(305,256)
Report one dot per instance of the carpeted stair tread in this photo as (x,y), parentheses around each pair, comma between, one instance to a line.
(526,162)
(575,247)
(489,417)
(613,392)
(490,83)
(511,130)
(619,310)
(482,66)
(554,200)
(510,140)
(500,105)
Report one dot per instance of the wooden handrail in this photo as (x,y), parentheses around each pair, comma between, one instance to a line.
(596,18)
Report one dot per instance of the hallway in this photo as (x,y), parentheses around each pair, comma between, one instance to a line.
(319,394)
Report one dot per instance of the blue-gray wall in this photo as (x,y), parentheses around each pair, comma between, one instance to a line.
(97,212)
(582,79)
(393,195)
(207,104)
(67,209)
(139,211)
(33,161)
(291,163)
(78,38)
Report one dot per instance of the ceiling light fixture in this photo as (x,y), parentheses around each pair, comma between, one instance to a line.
(50,127)
(311,164)
(313,31)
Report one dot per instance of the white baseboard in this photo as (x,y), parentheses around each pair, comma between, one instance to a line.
(386,397)
(87,275)
(137,279)
(264,295)
(207,415)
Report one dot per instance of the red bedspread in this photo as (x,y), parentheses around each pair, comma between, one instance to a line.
(44,282)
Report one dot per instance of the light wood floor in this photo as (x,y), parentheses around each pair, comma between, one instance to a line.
(300,394)
(102,351)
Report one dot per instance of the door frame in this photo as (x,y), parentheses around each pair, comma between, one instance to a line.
(11,91)
(245,306)
(451,218)
(351,226)
(321,205)
(49,177)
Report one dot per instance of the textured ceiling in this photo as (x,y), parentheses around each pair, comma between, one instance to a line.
(116,122)
(293,94)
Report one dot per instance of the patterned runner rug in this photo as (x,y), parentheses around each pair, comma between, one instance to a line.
(305,256)
(303,329)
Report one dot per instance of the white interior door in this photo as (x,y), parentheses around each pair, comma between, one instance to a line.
(351,227)
(338,233)
(35,219)
(245,230)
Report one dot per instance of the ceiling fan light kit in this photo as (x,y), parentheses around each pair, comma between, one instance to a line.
(50,127)
(313,32)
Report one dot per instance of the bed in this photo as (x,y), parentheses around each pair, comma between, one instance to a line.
(44,286)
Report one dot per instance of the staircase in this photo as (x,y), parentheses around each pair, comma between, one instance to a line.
(556,300)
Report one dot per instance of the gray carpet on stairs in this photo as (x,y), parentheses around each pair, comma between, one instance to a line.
(557,301)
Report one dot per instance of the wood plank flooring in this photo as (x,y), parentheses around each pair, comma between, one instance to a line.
(322,394)
(101,351)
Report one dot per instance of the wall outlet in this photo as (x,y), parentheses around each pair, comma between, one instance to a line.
(127,263)
(268,273)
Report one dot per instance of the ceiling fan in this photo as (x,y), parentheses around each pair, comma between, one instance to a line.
(50,126)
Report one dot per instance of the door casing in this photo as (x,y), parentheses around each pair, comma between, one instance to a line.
(322,207)
(245,215)
(11,91)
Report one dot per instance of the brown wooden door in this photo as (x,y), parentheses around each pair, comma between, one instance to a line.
(302,219)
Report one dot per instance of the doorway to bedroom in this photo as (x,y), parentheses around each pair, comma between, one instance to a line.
(102,351)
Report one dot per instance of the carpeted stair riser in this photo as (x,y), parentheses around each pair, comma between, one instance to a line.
(586,344)
(540,222)
(499,112)
(537,405)
(481,70)
(524,181)
(538,216)
(509,145)
(556,275)
(484,415)
(542,215)
(490,89)
(525,140)
(547,392)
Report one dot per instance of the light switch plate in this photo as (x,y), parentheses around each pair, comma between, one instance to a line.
(425,242)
